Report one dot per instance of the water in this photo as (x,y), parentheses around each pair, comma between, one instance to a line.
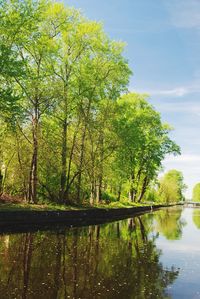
(156,255)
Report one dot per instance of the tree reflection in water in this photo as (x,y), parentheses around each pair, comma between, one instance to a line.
(196,218)
(117,260)
(170,224)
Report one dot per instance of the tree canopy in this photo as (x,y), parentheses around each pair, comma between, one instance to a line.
(70,130)
(171,186)
(196,192)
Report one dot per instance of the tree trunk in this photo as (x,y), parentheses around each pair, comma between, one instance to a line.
(119,193)
(34,162)
(82,149)
(99,188)
(81,165)
(63,178)
(1,183)
(1,174)
(100,177)
(25,191)
(69,182)
(132,191)
(98,193)
(132,194)
(92,193)
(144,187)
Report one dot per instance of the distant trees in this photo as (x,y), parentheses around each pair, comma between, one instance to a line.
(171,187)
(196,192)
(69,129)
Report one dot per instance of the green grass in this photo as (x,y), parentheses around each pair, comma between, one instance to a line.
(124,204)
(57,207)
(35,207)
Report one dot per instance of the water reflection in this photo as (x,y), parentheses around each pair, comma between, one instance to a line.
(196,218)
(117,260)
(170,224)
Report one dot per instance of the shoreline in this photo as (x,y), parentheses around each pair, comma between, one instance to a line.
(30,220)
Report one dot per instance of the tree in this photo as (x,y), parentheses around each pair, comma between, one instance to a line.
(143,143)
(171,186)
(196,192)
(16,25)
(89,69)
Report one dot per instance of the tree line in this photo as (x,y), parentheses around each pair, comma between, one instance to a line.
(70,131)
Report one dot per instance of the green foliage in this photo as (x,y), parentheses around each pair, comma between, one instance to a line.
(152,195)
(196,192)
(143,143)
(70,131)
(108,198)
(171,187)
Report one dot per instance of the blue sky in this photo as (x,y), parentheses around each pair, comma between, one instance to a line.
(163,49)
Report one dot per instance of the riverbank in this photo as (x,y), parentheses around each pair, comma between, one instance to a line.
(21,219)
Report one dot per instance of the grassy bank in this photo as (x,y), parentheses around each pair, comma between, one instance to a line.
(21,217)
(17,206)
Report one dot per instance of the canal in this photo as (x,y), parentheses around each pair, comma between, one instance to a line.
(155,255)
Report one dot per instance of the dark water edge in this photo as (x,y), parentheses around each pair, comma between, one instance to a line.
(154,255)
(31,221)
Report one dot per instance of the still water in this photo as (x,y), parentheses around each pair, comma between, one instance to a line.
(156,255)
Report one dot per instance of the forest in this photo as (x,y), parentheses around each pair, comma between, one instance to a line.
(71,131)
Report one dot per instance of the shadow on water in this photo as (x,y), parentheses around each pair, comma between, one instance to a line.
(116,260)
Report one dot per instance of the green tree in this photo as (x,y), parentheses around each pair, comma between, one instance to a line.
(88,69)
(69,129)
(16,24)
(171,186)
(196,192)
(143,143)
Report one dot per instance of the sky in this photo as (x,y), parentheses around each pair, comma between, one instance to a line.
(163,50)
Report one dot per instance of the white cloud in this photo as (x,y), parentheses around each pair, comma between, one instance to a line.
(184,107)
(174,92)
(185,158)
(184,13)
(178,91)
